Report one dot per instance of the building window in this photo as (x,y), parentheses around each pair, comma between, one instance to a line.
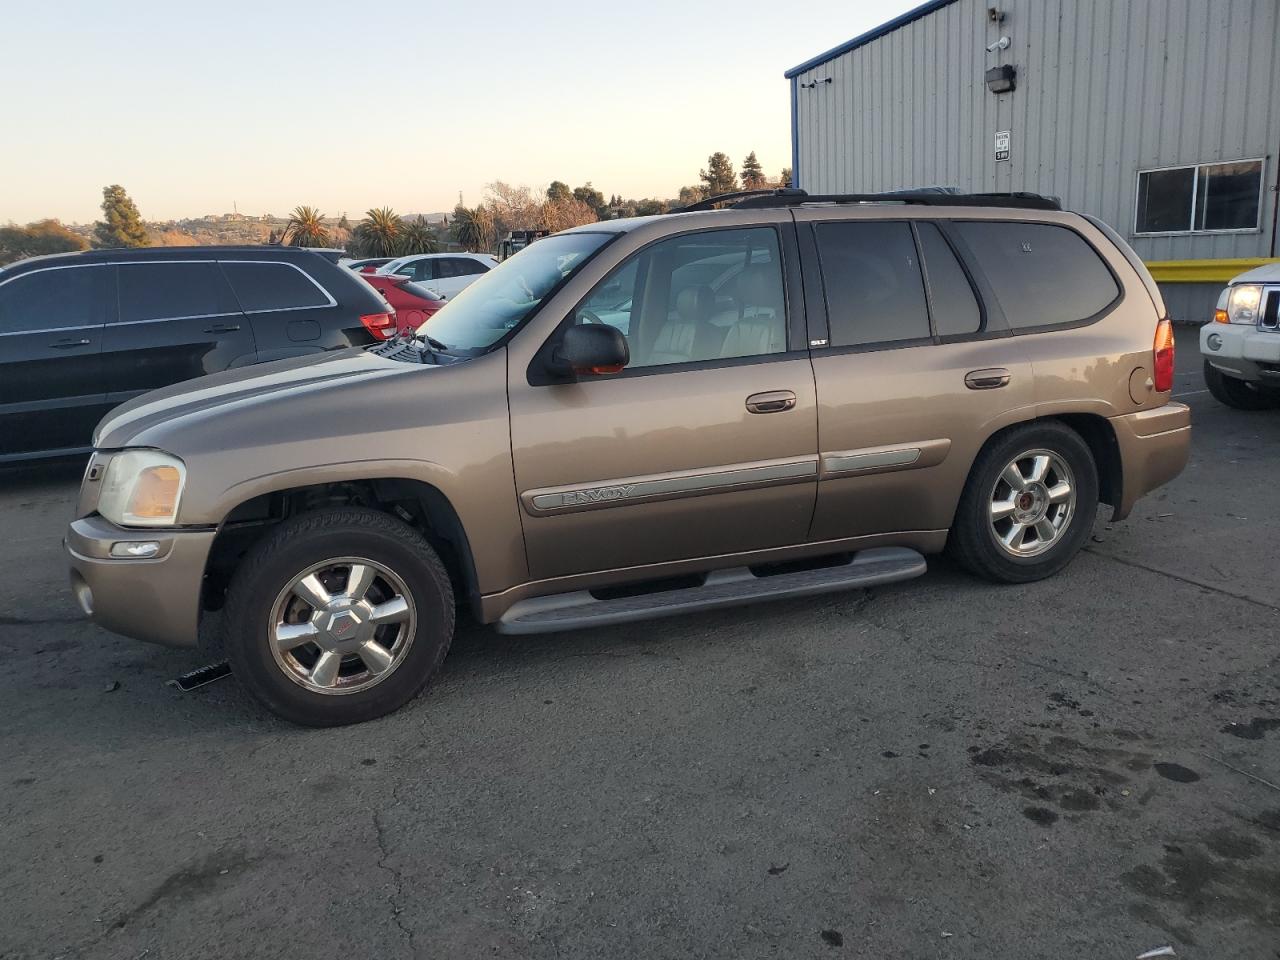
(1200,199)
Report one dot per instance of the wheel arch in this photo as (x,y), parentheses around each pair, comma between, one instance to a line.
(418,503)
(1097,433)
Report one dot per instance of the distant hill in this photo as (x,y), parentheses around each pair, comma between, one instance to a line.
(227,229)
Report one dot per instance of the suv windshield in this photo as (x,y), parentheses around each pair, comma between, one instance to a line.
(501,299)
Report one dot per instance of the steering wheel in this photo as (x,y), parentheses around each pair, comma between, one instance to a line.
(589,316)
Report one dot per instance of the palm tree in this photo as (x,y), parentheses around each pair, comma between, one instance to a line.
(306,228)
(418,237)
(474,228)
(379,233)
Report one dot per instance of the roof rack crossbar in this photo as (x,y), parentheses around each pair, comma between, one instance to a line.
(710,203)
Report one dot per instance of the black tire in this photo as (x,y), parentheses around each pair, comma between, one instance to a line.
(311,539)
(972,542)
(1236,393)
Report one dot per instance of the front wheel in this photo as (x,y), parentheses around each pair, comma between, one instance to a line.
(339,616)
(1236,393)
(1028,505)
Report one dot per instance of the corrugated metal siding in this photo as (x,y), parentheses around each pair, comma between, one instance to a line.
(1105,88)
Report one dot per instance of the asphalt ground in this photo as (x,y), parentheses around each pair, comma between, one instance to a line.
(1083,767)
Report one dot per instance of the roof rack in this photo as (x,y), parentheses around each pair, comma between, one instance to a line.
(927,196)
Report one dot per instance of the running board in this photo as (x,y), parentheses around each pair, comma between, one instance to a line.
(723,588)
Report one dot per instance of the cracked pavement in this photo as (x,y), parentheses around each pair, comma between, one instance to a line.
(1084,766)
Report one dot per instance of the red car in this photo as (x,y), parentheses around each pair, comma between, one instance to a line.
(412,302)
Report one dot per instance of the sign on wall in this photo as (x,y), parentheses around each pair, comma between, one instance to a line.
(1002,145)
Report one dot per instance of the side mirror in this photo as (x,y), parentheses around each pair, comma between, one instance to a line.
(590,348)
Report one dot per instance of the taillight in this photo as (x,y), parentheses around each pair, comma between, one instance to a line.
(1163,350)
(381,325)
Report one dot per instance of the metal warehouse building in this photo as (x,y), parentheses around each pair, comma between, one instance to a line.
(1162,117)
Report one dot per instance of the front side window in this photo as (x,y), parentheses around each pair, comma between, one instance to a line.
(1200,198)
(874,288)
(1042,274)
(713,295)
(500,300)
(272,286)
(53,300)
(170,291)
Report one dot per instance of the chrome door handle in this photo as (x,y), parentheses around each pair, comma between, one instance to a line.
(988,379)
(222,328)
(68,344)
(773,401)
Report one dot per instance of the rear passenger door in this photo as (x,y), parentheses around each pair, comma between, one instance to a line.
(51,384)
(177,320)
(288,311)
(913,369)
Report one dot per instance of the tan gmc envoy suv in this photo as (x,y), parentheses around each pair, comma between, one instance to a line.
(789,395)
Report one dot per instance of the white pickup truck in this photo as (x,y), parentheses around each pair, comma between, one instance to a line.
(1241,347)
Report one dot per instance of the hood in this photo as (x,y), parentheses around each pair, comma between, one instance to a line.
(1267,273)
(252,386)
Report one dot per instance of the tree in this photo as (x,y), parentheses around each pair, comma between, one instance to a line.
(378,235)
(38,239)
(121,225)
(690,195)
(272,238)
(559,191)
(785,179)
(719,176)
(649,208)
(418,237)
(343,224)
(473,228)
(306,228)
(593,198)
(559,215)
(752,173)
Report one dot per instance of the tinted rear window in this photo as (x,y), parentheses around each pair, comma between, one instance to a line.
(1041,274)
(53,300)
(955,306)
(272,286)
(163,291)
(875,293)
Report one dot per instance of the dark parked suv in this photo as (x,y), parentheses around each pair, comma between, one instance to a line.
(81,333)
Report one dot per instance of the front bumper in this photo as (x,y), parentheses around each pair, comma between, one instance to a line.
(1154,447)
(1242,351)
(155,599)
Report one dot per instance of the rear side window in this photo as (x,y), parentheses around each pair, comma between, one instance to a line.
(272,286)
(955,306)
(54,300)
(468,267)
(1041,274)
(871,274)
(170,291)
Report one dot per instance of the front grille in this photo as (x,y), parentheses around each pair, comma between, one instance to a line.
(1269,319)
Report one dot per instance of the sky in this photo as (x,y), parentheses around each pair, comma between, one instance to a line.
(345,106)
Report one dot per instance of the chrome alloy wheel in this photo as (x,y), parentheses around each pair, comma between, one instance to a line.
(342,626)
(1032,503)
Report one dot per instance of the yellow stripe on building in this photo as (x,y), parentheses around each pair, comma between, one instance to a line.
(1202,271)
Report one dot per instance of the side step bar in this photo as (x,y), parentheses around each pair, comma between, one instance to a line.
(723,588)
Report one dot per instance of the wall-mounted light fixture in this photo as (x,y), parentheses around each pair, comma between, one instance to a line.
(811,86)
(1002,79)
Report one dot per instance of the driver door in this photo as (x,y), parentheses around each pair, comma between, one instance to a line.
(705,445)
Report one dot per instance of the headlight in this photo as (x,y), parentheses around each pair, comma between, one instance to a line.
(142,488)
(1242,304)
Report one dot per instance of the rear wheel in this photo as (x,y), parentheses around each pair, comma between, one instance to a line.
(338,617)
(1028,505)
(1237,393)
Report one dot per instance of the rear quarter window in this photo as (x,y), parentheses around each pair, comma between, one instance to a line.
(272,286)
(1042,274)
